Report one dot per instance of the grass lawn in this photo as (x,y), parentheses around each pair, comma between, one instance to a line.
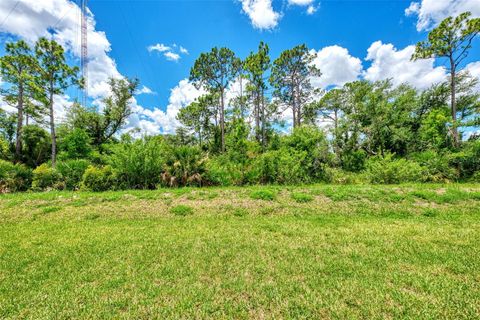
(327,252)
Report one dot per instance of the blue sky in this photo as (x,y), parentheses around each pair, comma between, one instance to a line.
(352,39)
(132,26)
(199,25)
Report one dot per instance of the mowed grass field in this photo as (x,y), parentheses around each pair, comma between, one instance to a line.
(309,252)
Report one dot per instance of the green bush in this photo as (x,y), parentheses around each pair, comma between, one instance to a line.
(46,178)
(301,197)
(138,164)
(98,179)
(72,172)
(221,171)
(181,210)
(280,166)
(14,177)
(476,177)
(339,176)
(467,161)
(76,144)
(263,194)
(388,170)
(353,161)
(436,167)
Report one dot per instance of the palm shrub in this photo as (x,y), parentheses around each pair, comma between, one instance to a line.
(185,166)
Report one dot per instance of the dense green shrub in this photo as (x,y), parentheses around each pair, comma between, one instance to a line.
(309,145)
(388,170)
(4,149)
(339,176)
(281,167)
(467,161)
(46,178)
(14,177)
(36,144)
(98,179)
(476,177)
(354,161)
(76,144)
(138,164)
(436,166)
(72,172)
(222,171)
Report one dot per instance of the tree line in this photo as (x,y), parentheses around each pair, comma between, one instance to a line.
(278,128)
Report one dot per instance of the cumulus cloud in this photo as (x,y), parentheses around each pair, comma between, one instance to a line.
(432,12)
(160,47)
(145,90)
(474,69)
(261,13)
(389,62)
(337,66)
(264,17)
(32,19)
(158,121)
(171,53)
(172,56)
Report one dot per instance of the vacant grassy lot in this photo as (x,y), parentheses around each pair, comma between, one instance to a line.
(330,252)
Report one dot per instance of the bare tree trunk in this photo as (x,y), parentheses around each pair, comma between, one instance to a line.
(18,142)
(264,138)
(222,120)
(453,103)
(52,130)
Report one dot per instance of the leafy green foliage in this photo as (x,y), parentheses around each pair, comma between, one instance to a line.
(46,178)
(75,145)
(72,171)
(390,170)
(14,177)
(138,164)
(98,179)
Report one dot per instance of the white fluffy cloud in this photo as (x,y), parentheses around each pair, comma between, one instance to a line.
(432,12)
(474,69)
(32,19)
(264,17)
(388,62)
(160,47)
(261,13)
(158,121)
(172,56)
(171,53)
(337,66)
(145,90)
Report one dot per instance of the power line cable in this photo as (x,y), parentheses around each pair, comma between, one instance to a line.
(9,13)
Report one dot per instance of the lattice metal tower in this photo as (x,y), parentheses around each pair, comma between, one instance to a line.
(84,51)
